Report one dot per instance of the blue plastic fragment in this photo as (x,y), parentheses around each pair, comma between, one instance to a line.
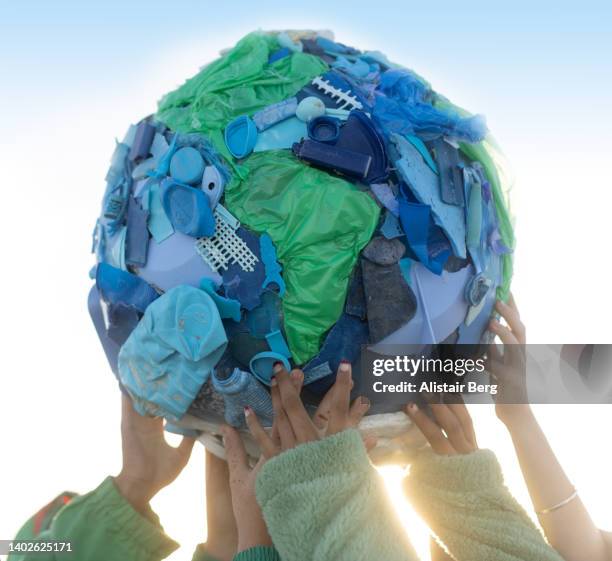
(275,113)
(358,68)
(273,268)
(172,352)
(422,148)
(188,209)
(359,135)
(137,235)
(277,55)
(241,136)
(142,141)
(277,343)
(213,185)
(266,317)
(187,165)
(284,40)
(451,173)
(261,365)
(391,227)
(333,47)
(122,287)
(324,129)
(159,224)
(425,186)
(386,196)
(163,161)
(281,136)
(340,160)
(228,308)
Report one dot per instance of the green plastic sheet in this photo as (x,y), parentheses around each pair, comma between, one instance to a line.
(319,223)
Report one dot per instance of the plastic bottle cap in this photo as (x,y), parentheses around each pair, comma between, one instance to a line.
(241,136)
(187,165)
(324,129)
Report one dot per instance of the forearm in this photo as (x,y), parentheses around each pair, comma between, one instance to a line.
(569,529)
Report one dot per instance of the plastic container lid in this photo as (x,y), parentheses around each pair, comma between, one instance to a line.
(241,136)
(324,129)
(188,209)
(187,165)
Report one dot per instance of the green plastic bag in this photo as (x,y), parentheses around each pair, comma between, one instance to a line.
(319,223)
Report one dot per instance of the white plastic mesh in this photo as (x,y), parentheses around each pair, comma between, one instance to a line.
(225,248)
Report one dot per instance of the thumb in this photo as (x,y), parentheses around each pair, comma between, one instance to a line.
(237,460)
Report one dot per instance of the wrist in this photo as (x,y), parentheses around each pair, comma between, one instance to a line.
(256,535)
(515,416)
(135,491)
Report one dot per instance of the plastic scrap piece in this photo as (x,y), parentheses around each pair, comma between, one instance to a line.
(239,390)
(425,186)
(422,148)
(183,431)
(284,40)
(137,235)
(359,135)
(324,129)
(344,341)
(340,160)
(358,68)
(386,196)
(275,113)
(335,91)
(343,99)
(187,208)
(440,309)
(266,317)
(172,352)
(175,261)
(142,141)
(262,363)
(382,251)
(114,250)
(213,185)
(187,165)
(122,287)
(277,55)
(474,221)
(241,136)
(390,301)
(451,173)
(281,136)
(225,247)
(310,108)
(273,268)
(228,308)
(277,343)
(391,227)
(163,161)
(223,214)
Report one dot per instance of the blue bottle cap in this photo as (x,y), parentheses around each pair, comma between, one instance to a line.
(188,209)
(187,165)
(240,136)
(324,129)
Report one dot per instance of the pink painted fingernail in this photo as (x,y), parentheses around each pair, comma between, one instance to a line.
(273,381)
(277,367)
(412,407)
(247,410)
(345,366)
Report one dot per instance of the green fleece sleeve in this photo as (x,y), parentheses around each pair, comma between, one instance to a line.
(258,553)
(102,525)
(464,501)
(324,500)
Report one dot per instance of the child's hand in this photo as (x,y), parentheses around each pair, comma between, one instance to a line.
(252,530)
(509,368)
(149,462)
(452,431)
(292,424)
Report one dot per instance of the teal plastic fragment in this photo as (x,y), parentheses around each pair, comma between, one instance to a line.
(405,266)
(187,165)
(474,217)
(281,136)
(228,308)
(420,146)
(159,224)
(240,136)
(262,365)
(273,268)
(278,344)
(163,163)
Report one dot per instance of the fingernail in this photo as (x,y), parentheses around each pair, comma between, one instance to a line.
(247,411)
(412,407)
(297,375)
(273,381)
(364,401)
(277,366)
(345,366)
